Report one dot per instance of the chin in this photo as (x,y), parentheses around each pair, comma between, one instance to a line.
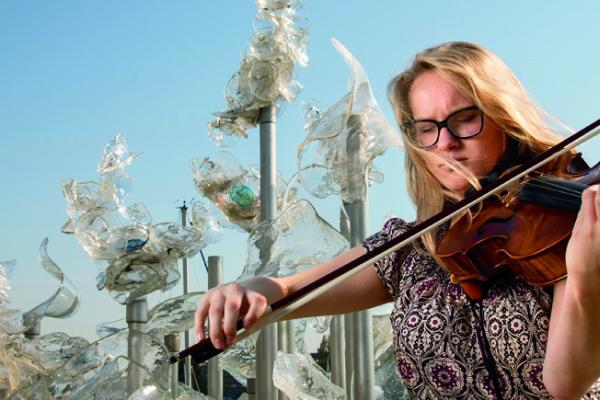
(458,187)
(454,182)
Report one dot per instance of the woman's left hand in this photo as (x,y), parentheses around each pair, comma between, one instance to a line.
(583,249)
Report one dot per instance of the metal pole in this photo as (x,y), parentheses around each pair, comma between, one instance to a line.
(187,366)
(215,364)
(266,346)
(364,378)
(338,337)
(349,336)
(136,315)
(337,349)
(251,388)
(173,344)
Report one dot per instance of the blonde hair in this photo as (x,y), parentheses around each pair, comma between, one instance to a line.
(483,77)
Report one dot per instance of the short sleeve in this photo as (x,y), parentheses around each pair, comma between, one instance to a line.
(388,268)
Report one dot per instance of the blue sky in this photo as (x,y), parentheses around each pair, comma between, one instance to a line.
(74,74)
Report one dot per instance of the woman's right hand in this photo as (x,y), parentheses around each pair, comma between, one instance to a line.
(224,305)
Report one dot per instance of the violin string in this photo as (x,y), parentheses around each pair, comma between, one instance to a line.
(568,192)
(557,189)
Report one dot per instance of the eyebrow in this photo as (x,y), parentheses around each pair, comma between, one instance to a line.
(449,114)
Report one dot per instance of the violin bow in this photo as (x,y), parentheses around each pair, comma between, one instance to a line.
(204,350)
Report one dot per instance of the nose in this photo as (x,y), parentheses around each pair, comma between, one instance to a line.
(446,141)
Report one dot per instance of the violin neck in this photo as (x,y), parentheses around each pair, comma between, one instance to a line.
(553,192)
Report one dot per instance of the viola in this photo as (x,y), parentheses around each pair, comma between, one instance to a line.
(204,349)
(524,233)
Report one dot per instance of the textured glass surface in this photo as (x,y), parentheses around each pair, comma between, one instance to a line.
(141,257)
(53,350)
(173,315)
(240,358)
(106,361)
(108,328)
(300,378)
(155,392)
(11,321)
(14,369)
(386,375)
(337,154)
(266,74)
(235,190)
(35,391)
(63,303)
(108,383)
(293,242)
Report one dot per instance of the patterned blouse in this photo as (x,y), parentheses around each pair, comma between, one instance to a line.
(448,347)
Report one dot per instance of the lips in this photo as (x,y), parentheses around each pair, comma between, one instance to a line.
(459,160)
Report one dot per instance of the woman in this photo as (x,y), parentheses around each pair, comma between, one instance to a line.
(465,117)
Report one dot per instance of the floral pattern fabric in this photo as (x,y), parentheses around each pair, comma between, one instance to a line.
(438,351)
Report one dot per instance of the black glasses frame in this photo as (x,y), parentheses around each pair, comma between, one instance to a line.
(444,124)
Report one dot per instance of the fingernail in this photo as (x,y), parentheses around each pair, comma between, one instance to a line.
(218,343)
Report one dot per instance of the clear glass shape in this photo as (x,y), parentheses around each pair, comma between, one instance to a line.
(300,378)
(342,141)
(462,124)
(294,241)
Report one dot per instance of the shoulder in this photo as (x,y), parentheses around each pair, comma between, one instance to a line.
(392,228)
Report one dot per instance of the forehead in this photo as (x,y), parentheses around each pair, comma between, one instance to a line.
(432,96)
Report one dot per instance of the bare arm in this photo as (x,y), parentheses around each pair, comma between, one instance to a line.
(225,304)
(572,362)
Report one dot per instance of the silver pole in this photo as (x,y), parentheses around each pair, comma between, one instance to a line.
(266,346)
(173,344)
(364,365)
(251,388)
(337,337)
(337,350)
(136,315)
(349,338)
(187,366)
(364,379)
(215,364)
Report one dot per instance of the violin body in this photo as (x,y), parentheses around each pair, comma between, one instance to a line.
(526,237)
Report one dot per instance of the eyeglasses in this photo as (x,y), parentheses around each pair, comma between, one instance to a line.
(462,124)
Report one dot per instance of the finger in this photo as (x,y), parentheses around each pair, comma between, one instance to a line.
(215,319)
(596,207)
(588,204)
(232,311)
(258,305)
(200,317)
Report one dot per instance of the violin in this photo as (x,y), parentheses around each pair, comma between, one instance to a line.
(204,349)
(524,232)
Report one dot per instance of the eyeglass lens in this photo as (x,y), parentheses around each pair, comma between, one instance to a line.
(462,124)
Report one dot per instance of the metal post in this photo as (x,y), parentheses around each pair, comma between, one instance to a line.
(251,388)
(266,346)
(349,338)
(364,365)
(215,364)
(136,315)
(187,366)
(173,344)
(337,351)
(338,337)
(363,371)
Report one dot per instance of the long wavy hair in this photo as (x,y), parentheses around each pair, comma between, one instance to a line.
(483,77)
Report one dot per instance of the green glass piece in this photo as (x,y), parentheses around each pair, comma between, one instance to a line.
(241,195)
